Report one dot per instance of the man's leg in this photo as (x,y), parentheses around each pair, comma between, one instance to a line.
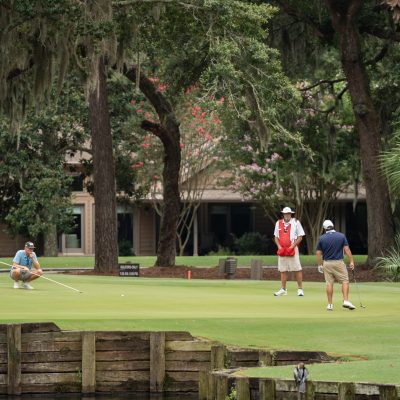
(35,274)
(345,291)
(329,292)
(283,280)
(299,278)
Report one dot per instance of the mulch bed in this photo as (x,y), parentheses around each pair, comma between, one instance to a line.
(363,273)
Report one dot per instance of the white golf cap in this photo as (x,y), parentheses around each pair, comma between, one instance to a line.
(287,210)
(327,224)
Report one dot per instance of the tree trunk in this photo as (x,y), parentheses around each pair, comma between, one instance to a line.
(344,15)
(171,204)
(168,132)
(106,242)
(50,242)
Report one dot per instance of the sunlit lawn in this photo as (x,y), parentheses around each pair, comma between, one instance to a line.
(243,313)
(201,261)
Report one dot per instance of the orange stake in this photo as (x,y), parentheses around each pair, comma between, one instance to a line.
(189,275)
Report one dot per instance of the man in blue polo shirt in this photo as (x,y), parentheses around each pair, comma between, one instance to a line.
(23,263)
(331,248)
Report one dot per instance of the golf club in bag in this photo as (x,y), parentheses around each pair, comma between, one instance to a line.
(358,290)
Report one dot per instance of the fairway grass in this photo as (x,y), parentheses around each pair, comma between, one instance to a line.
(149,261)
(243,313)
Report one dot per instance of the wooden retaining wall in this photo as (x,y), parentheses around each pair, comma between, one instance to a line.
(40,358)
(217,385)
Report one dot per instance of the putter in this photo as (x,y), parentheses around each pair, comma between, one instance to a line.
(358,290)
(51,280)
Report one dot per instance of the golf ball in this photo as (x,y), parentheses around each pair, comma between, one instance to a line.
(122,295)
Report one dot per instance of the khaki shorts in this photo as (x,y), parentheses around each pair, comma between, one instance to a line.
(335,270)
(289,264)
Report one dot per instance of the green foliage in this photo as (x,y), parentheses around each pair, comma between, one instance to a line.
(390,263)
(125,248)
(251,243)
(232,394)
(222,251)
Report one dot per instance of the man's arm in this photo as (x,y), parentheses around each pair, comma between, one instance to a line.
(319,257)
(349,255)
(296,242)
(277,242)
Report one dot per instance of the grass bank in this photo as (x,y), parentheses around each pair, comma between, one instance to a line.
(243,313)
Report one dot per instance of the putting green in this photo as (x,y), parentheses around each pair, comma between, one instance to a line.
(243,313)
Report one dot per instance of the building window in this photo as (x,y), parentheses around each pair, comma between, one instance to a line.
(72,242)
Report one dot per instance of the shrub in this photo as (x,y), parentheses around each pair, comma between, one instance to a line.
(251,243)
(222,251)
(125,248)
(390,264)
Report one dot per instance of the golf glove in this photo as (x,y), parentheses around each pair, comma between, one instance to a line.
(320,269)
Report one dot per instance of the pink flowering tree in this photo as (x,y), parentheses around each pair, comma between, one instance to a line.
(308,170)
(201,130)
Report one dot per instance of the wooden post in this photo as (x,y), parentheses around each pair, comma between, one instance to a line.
(267,389)
(14,359)
(203,385)
(218,354)
(256,269)
(211,386)
(265,358)
(157,361)
(387,392)
(222,386)
(88,362)
(310,390)
(221,266)
(243,389)
(346,391)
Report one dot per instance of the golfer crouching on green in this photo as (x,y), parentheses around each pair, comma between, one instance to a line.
(331,247)
(21,272)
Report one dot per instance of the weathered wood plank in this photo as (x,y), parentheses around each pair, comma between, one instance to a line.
(178,335)
(122,376)
(188,386)
(33,327)
(3,338)
(222,387)
(243,355)
(3,379)
(203,385)
(242,388)
(187,366)
(122,335)
(51,388)
(189,346)
(127,386)
(346,391)
(218,356)
(3,389)
(62,347)
(368,389)
(157,361)
(326,387)
(51,356)
(387,392)
(3,368)
(301,356)
(14,359)
(123,365)
(267,389)
(3,358)
(62,336)
(188,356)
(72,366)
(116,345)
(123,355)
(88,362)
(51,378)
(3,348)
(183,376)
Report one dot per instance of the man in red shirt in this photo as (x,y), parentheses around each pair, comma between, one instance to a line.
(288,235)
